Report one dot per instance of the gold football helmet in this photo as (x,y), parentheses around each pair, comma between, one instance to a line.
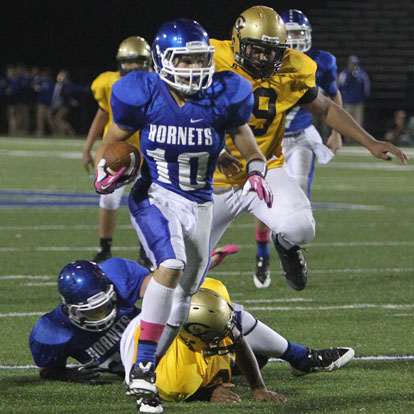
(259,41)
(211,319)
(134,50)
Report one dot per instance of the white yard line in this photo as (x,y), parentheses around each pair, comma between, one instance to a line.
(398,243)
(376,358)
(319,308)
(41,154)
(267,308)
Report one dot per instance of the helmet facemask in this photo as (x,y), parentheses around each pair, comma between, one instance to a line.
(96,314)
(260,58)
(298,37)
(141,63)
(187,80)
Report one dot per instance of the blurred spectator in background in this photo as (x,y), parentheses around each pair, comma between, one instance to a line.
(400,130)
(25,100)
(43,86)
(65,97)
(355,88)
(11,90)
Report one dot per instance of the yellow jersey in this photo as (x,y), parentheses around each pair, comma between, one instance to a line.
(272,98)
(181,372)
(101,89)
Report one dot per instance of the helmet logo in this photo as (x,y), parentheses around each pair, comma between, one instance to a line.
(196,329)
(269,39)
(240,23)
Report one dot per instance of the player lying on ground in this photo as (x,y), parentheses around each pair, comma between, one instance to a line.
(98,303)
(219,340)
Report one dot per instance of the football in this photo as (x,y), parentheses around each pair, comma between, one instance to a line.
(121,154)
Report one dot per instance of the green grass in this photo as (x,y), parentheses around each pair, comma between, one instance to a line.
(360,290)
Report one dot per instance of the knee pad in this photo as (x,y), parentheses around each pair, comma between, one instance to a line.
(110,201)
(174,264)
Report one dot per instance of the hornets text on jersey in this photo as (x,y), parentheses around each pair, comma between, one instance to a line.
(54,338)
(181,145)
(272,98)
(298,118)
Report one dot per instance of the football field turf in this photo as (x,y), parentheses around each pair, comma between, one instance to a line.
(360,289)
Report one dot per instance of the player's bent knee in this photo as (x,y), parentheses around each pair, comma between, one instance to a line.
(301,229)
(173,264)
(109,202)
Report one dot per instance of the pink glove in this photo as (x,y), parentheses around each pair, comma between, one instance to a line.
(255,182)
(106,183)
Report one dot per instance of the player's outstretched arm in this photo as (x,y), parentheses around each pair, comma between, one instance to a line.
(247,364)
(96,129)
(338,119)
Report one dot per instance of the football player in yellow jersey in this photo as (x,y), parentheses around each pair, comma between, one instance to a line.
(198,364)
(210,350)
(134,53)
(281,78)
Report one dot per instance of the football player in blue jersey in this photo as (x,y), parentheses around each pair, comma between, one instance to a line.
(183,111)
(98,302)
(301,140)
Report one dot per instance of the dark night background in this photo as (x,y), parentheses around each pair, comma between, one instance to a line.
(83,36)
(74,34)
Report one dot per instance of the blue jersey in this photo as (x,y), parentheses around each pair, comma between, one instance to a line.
(298,118)
(181,145)
(54,338)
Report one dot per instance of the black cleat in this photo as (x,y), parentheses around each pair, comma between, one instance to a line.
(324,360)
(101,256)
(150,405)
(293,263)
(144,261)
(261,277)
(142,380)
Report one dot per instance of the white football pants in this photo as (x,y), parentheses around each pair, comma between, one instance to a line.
(290,216)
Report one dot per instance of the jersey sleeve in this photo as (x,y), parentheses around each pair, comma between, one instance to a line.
(101,89)
(223,55)
(330,70)
(239,110)
(301,68)
(127,276)
(48,343)
(130,94)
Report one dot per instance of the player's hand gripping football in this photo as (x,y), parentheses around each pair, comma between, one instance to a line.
(256,182)
(106,183)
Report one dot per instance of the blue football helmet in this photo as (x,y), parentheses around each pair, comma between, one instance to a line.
(183,38)
(298,30)
(88,295)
